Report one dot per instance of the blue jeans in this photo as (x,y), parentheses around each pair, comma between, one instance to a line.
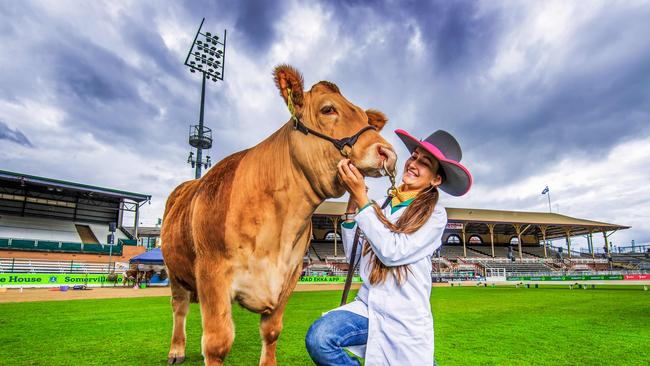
(335,330)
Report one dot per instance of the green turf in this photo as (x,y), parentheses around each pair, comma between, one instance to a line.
(473,326)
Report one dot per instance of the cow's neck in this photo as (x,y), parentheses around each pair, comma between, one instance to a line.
(298,164)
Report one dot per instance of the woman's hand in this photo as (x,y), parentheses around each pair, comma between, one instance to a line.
(353,181)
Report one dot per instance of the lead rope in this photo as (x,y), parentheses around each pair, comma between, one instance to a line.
(354,263)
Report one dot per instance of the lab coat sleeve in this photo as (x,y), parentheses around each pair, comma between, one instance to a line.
(347,236)
(396,249)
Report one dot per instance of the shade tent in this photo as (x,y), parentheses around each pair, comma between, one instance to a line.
(151,257)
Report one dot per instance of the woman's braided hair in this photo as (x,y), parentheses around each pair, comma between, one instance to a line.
(414,216)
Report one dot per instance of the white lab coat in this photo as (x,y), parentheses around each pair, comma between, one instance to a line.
(400,324)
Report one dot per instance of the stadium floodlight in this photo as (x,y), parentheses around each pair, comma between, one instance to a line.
(203,47)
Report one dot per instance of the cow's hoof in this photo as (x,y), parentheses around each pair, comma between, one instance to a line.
(175,360)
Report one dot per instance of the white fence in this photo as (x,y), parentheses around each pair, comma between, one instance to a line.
(16,265)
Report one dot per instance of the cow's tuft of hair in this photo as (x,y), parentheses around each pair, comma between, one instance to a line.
(329,85)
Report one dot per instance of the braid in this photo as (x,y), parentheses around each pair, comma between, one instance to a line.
(413,218)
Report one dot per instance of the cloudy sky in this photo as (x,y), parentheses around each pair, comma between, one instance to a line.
(538,93)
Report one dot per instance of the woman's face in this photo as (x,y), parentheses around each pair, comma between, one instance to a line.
(420,171)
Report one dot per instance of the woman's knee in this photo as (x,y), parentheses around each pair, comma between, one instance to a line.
(317,336)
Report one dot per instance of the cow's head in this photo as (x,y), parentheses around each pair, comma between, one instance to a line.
(325,110)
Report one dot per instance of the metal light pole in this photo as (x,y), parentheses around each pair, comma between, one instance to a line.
(209,57)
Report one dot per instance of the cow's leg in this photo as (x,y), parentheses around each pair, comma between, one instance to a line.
(271,324)
(270,328)
(180,307)
(213,282)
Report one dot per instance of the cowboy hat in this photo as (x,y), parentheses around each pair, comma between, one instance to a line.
(445,148)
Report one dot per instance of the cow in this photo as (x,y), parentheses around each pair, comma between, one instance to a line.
(130,276)
(240,232)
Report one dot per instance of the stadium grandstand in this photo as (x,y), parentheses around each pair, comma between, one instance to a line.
(54,225)
(479,242)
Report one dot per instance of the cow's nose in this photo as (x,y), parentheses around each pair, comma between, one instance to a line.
(388,155)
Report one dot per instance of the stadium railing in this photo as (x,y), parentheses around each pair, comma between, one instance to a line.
(59,246)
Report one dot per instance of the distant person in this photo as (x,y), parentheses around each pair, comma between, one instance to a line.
(390,321)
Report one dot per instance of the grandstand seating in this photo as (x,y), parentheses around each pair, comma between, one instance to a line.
(517,267)
(325,249)
(479,251)
(476,251)
(538,251)
(37,228)
(451,251)
(635,260)
(40,234)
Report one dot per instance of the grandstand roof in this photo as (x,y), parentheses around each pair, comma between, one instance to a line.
(476,221)
(30,195)
(144,231)
(330,208)
(55,183)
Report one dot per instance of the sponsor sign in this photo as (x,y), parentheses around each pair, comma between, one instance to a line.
(326,279)
(454,226)
(53,280)
(569,278)
(637,277)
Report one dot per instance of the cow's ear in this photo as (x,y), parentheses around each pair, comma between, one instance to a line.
(376,119)
(285,77)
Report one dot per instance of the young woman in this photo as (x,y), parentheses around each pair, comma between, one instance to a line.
(390,321)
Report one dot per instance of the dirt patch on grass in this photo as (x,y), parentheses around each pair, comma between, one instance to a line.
(44,294)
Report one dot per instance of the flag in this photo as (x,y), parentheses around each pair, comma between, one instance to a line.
(545,191)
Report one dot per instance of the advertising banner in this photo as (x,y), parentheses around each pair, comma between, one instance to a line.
(637,277)
(454,226)
(53,280)
(566,278)
(327,279)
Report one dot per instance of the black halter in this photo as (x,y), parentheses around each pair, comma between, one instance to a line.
(340,144)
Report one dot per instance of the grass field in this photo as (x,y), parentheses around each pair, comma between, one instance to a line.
(473,326)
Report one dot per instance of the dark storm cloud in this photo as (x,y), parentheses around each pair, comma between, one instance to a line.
(252,22)
(13,135)
(459,34)
(257,19)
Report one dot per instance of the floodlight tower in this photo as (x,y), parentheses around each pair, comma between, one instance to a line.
(209,57)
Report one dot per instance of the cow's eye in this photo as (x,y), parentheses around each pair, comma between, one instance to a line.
(328,109)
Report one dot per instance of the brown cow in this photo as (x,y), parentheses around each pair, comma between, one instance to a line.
(130,276)
(240,232)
